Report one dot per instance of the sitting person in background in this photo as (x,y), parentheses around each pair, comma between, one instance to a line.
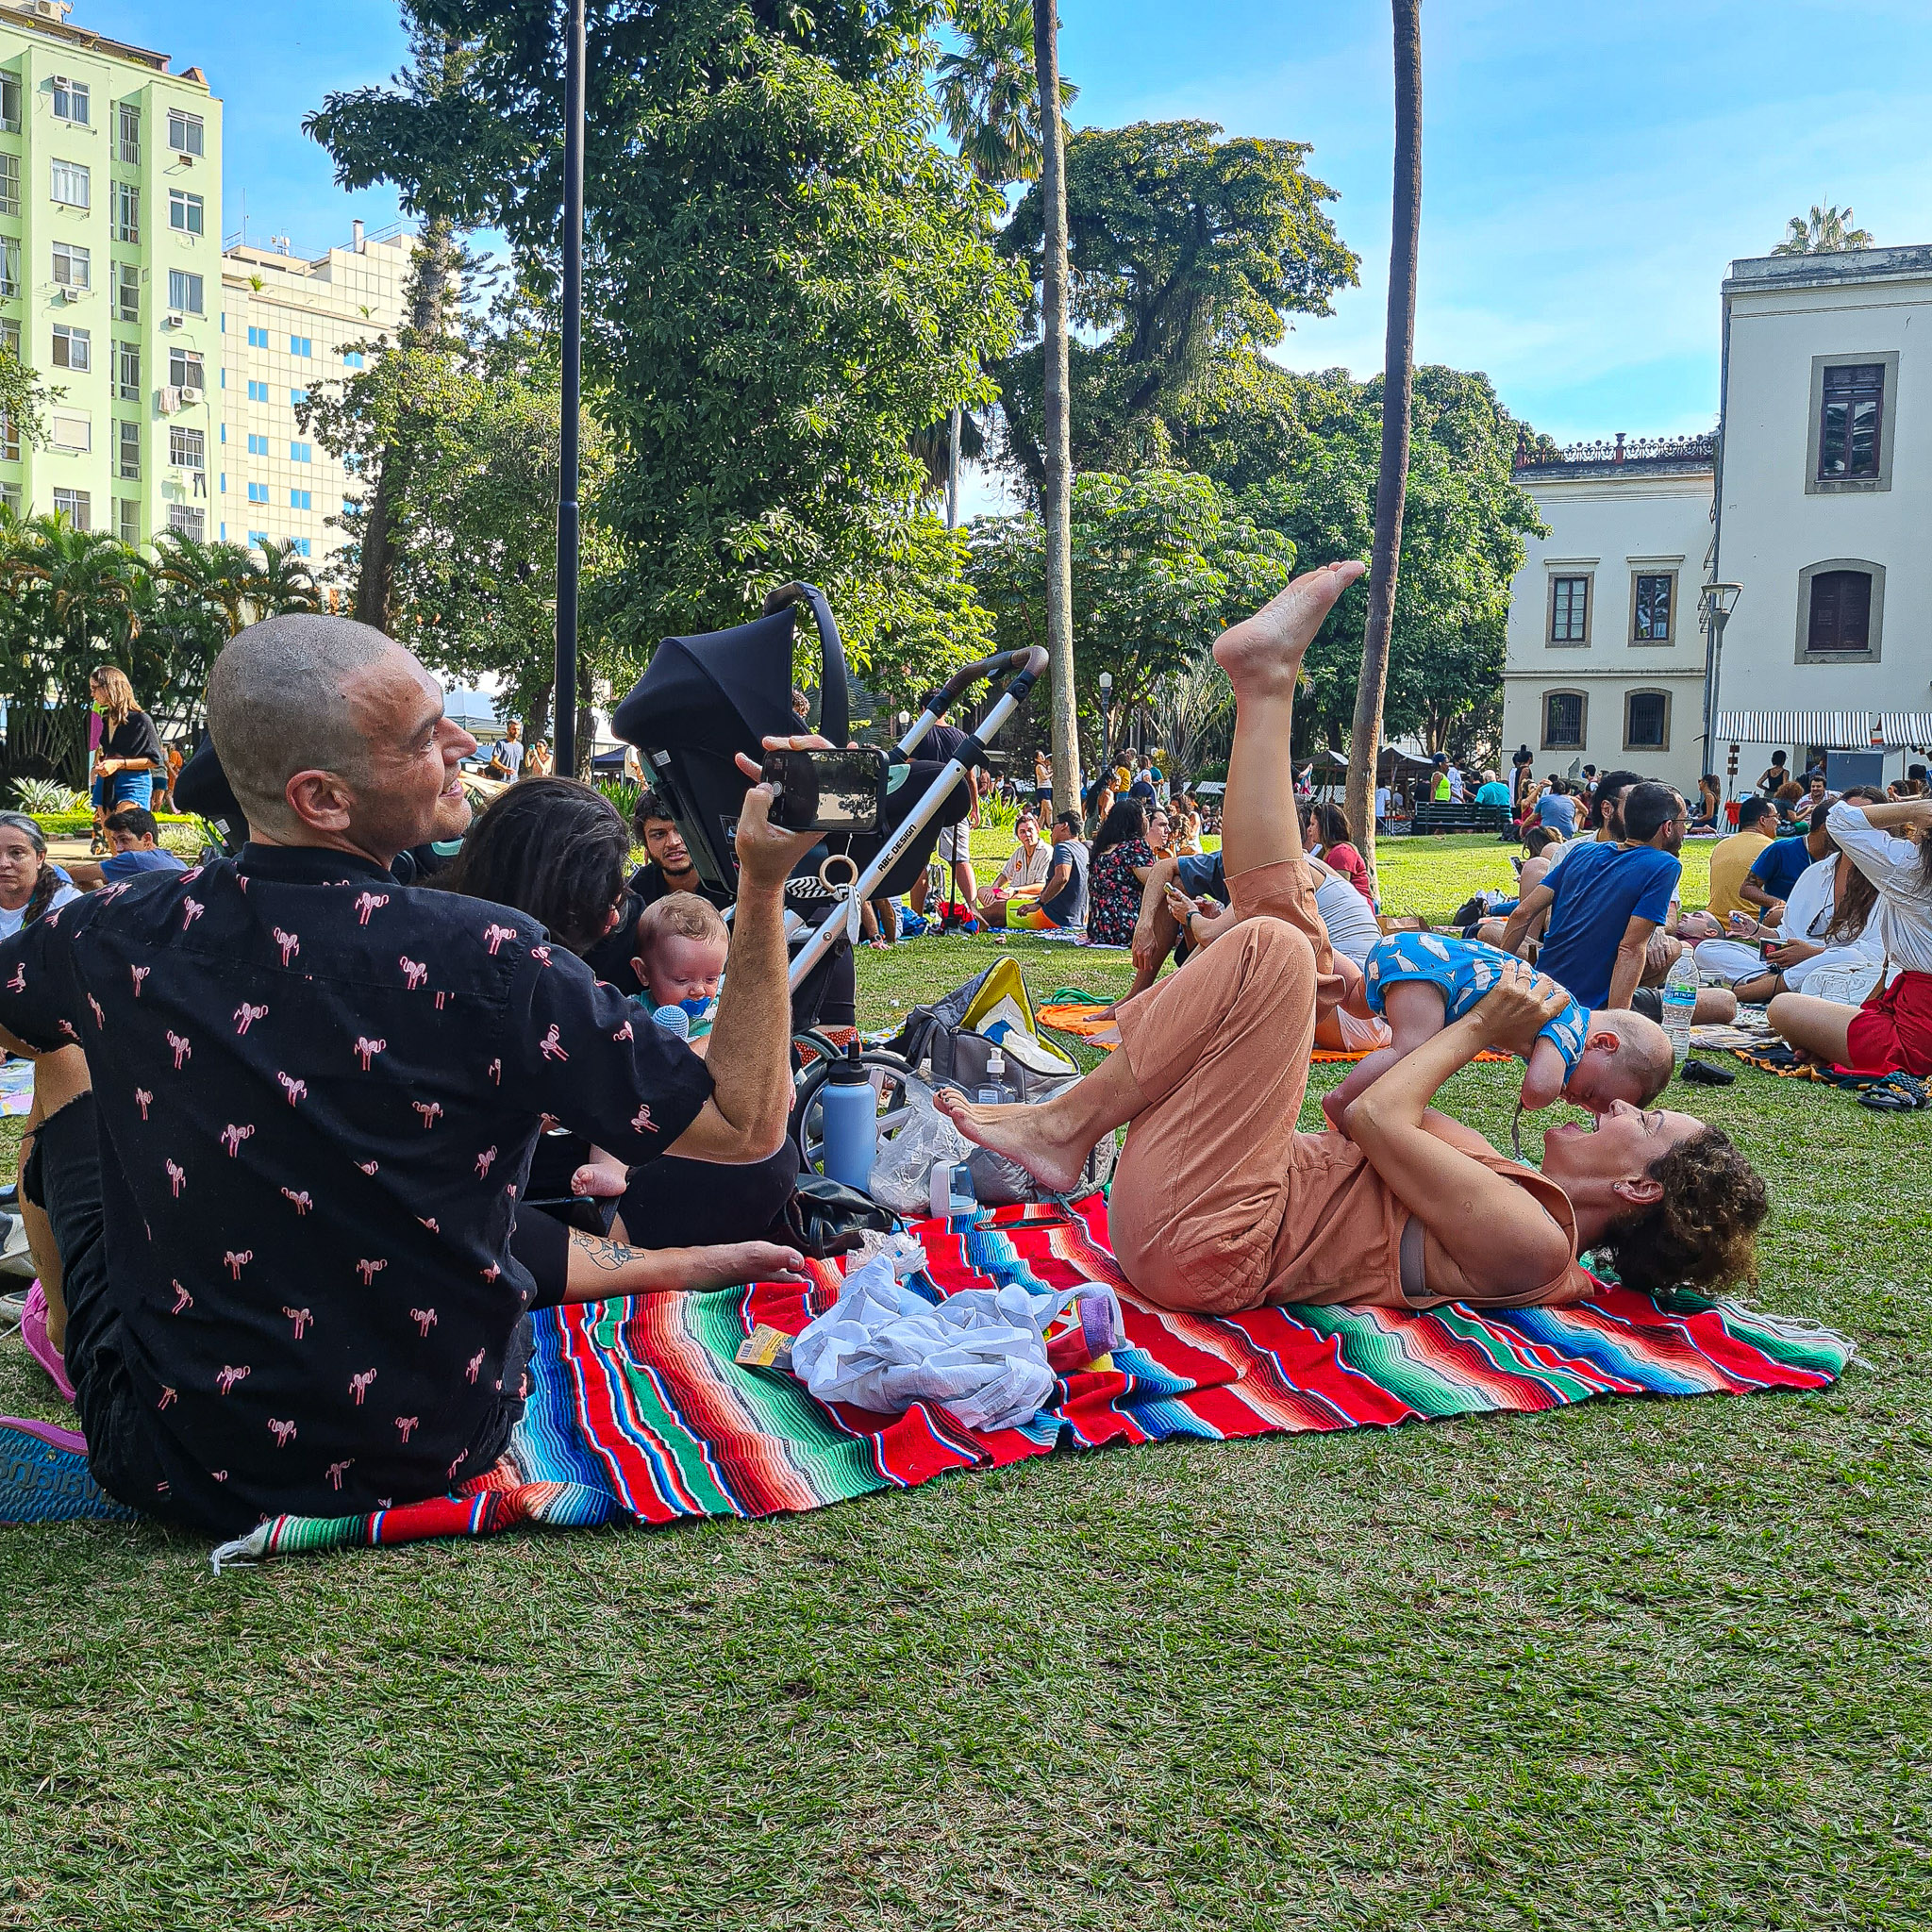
(1117,872)
(1557,810)
(1326,836)
(1425,982)
(1776,870)
(31,883)
(1732,858)
(1061,903)
(1159,831)
(1023,874)
(1786,797)
(1492,792)
(131,833)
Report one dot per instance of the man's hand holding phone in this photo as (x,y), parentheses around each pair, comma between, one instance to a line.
(767,851)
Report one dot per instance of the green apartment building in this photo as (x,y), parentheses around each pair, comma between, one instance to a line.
(111,275)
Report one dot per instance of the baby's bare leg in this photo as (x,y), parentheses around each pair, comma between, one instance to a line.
(1543,1082)
(1414,1010)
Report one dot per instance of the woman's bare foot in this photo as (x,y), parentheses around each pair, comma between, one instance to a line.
(1265,651)
(600,1180)
(1052,1154)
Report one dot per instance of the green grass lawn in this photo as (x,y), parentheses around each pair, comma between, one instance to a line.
(1630,1665)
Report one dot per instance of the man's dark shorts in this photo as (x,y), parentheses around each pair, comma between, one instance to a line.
(1648,1001)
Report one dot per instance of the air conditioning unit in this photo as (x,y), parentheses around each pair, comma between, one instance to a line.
(189,395)
(175,319)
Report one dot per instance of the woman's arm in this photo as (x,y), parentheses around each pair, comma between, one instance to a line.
(1494,1230)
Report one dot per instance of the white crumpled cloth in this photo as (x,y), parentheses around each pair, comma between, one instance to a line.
(979,1355)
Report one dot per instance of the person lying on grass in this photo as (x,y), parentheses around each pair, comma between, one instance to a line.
(1423,981)
(1219,1204)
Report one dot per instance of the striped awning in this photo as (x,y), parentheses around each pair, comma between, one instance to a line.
(1835,730)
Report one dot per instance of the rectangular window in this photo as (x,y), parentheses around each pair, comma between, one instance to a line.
(297,397)
(1647,721)
(257,391)
(1563,720)
(10,104)
(300,345)
(126,291)
(1850,420)
(257,538)
(9,266)
(127,371)
(187,449)
(71,100)
(73,266)
(190,522)
(184,131)
(128,125)
(1569,610)
(10,184)
(72,347)
(301,453)
(130,451)
(77,506)
(69,184)
(184,212)
(1840,618)
(352,358)
(300,545)
(257,493)
(258,338)
(72,433)
(10,442)
(185,370)
(299,499)
(1653,605)
(184,292)
(127,521)
(257,446)
(10,335)
(127,212)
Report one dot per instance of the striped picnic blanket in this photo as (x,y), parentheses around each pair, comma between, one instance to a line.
(641,1414)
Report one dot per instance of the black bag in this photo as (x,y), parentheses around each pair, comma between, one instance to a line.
(825,1217)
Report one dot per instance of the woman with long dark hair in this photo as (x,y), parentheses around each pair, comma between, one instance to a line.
(29,885)
(1329,838)
(1117,870)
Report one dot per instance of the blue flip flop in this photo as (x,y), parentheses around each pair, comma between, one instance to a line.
(45,1477)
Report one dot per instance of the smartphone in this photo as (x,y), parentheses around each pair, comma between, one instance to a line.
(827,791)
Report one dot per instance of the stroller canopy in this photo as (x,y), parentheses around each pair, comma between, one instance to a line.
(722,692)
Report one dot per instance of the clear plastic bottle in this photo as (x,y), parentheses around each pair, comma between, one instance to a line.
(1679,1001)
(994,1093)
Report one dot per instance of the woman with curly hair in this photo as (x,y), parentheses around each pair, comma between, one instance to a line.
(1219,1204)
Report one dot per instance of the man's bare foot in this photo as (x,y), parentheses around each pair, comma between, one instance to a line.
(600,1180)
(1264,652)
(1026,1135)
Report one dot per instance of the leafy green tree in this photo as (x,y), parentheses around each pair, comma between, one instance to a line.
(24,399)
(1187,251)
(785,277)
(987,93)
(1829,230)
(213,576)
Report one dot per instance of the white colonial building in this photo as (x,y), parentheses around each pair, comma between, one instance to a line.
(1813,500)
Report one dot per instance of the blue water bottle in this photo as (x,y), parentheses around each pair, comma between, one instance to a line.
(850,1112)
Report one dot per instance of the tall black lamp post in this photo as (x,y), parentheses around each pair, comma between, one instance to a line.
(566,757)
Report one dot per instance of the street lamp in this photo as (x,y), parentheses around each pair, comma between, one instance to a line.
(1105,714)
(1719,601)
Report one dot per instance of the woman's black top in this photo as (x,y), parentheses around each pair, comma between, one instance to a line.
(135,737)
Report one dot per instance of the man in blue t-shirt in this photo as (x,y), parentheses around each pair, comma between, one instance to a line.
(1775,871)
(132,850)
(1606,900)
(1557,810)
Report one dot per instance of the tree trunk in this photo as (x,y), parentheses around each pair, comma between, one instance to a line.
(375,574)
(1056,488)
(1398,377)
(953,471)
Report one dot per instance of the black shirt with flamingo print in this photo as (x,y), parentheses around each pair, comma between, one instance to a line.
(318,1092)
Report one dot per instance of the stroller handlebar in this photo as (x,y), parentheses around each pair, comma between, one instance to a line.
(1029,663)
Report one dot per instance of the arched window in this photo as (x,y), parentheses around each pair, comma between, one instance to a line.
(1647,721)
(1565,715)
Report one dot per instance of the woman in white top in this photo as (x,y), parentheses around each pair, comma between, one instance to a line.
(1893,1031)
(29,886)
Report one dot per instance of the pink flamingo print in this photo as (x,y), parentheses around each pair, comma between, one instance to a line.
(540,954)
(431,1111)
(177,1177)
(302,1319)
(235,1263)
(245,1016)
(232,1137)
(485,1160)
(168,1397)
(424,1320)
(303,1204)
(107,892)
(414,972)
(430,1222)
(550,1046)
(624,1032)
(440,998)
(225,1381)
(640,1121)
(183,1051)
(191,909)
(359,1385)
(138,973)
(183,1300)
(493,935)
(491,1273)
(366,1049)
(144,1100)
(194,873)
(67,1025)
(450,1473)
(289,943)
(408,1424)
(494,1069)
(369,1270)
(100,1012)
(473,1367)
(284,1432)
(337,1471)
(296,1090)
(18,983)
(368,1165)
(366,903)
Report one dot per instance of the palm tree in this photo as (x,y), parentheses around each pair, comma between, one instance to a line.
(219,576)
(282,581)
(1398,382)
(1829,231)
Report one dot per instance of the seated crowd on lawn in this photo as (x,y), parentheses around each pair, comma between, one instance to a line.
(313,1132)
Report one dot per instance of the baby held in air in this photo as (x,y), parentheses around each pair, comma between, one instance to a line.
(1421,981)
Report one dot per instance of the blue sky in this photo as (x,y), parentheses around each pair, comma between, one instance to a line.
(1588,169)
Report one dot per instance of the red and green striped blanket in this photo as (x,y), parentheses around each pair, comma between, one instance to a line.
(641,1414)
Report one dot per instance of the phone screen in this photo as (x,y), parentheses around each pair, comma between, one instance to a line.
(826,791)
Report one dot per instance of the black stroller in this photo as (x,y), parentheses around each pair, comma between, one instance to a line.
(702,699)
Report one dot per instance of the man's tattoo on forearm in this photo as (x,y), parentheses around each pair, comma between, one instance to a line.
(603,1252)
